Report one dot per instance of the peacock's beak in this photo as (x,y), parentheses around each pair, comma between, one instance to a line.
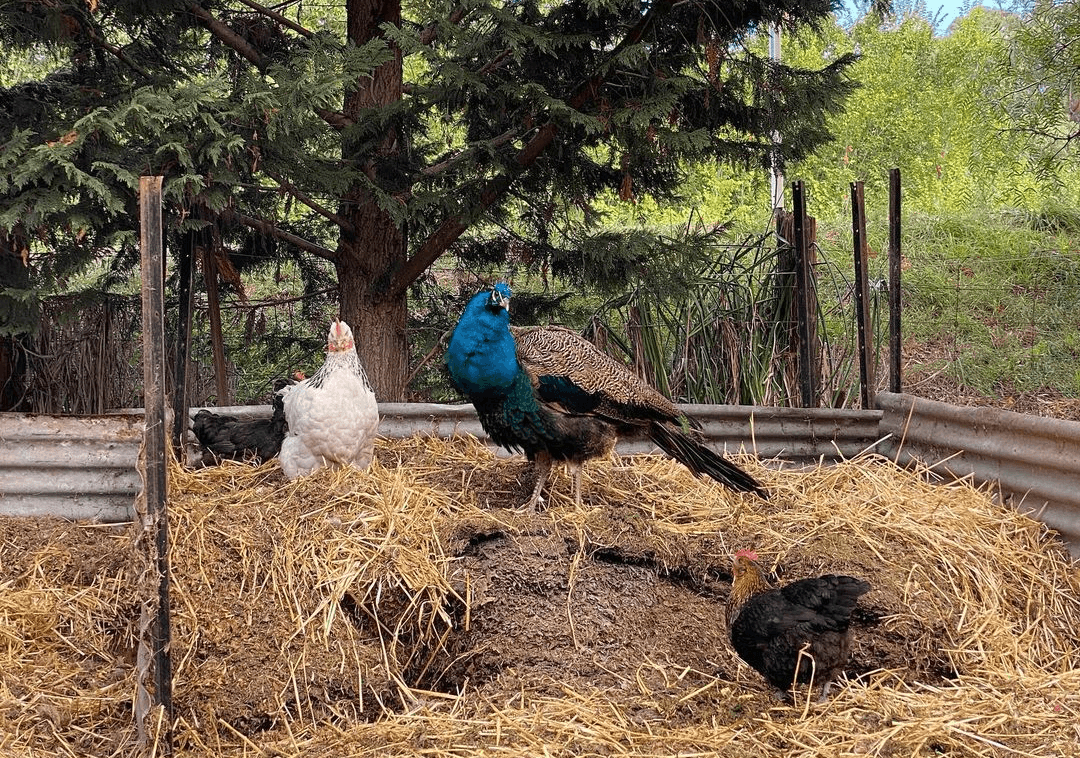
(499,300)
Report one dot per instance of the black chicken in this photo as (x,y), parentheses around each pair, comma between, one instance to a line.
(798,633)
(227,437)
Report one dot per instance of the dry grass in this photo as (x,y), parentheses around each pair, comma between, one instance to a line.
(305,613)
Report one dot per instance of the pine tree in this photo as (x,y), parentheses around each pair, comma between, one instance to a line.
(306,132)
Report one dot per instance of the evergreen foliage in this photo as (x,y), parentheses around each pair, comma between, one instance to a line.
(512,115)
(563,144)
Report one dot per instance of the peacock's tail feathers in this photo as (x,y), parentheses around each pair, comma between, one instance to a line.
(702,460)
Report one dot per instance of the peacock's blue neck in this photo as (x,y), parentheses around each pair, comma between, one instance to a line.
(482,357)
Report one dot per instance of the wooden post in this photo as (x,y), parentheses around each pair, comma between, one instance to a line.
(183,344)
(785,292)
(804,307)
(895,259)
(862,296)
(213,303)
(153,312)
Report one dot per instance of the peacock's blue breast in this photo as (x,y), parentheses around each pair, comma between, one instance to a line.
(482,356)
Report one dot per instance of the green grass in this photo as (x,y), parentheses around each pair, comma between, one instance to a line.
(994,297)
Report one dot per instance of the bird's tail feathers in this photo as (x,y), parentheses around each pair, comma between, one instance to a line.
(703,461)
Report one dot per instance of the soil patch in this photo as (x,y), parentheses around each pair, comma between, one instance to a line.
(926,376)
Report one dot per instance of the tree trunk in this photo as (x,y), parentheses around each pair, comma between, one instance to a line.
(12,375)
(378,325)
(367,259)
(16,320)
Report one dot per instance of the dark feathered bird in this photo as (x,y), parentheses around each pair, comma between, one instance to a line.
(797,633)
(553,395)
(227,437)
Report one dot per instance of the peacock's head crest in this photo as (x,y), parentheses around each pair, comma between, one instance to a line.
(500,296)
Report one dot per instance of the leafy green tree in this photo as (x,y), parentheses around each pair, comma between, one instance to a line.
(19,298)
(1041,84)
(383,135)
(954,148)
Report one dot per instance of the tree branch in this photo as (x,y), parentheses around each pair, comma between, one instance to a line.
(275,301)
(228,36)
(452,227)
(268,228)
(496,62)
(253,56)
(279,18)
(311,203)
(337,120)
(429,34)
(437,168)
(98,40)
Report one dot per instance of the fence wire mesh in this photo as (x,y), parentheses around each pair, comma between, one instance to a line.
(725,341)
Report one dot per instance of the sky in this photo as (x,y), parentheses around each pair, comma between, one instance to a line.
(950,9)
(945,11)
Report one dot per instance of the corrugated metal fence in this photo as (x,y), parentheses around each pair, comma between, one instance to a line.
(1034,460)
(85,467)
(78,467)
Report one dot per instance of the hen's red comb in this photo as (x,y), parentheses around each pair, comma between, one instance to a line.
(746,554)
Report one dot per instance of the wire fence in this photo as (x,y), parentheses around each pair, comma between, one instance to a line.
(727,340)
(1015,320)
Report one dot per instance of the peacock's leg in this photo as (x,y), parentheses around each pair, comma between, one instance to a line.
(543,465)
(575,473)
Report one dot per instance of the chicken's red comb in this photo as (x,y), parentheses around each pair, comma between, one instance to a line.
(746,554)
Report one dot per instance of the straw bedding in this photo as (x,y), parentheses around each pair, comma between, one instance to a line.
(409,610)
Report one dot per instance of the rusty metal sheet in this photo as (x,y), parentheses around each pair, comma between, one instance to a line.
(1035,461)
(76,467)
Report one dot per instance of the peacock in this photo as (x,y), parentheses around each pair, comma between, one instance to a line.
(548,392)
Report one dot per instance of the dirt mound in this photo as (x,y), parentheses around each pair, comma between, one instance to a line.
(410,609)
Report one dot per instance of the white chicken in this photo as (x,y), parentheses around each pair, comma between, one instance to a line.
(333,417)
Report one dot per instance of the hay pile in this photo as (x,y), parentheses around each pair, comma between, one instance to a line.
(409,610)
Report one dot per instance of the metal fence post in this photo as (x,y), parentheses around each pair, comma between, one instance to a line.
(895,261)
(862,296)
(804,298)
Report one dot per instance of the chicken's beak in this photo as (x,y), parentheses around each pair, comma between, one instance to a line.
(340,340)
